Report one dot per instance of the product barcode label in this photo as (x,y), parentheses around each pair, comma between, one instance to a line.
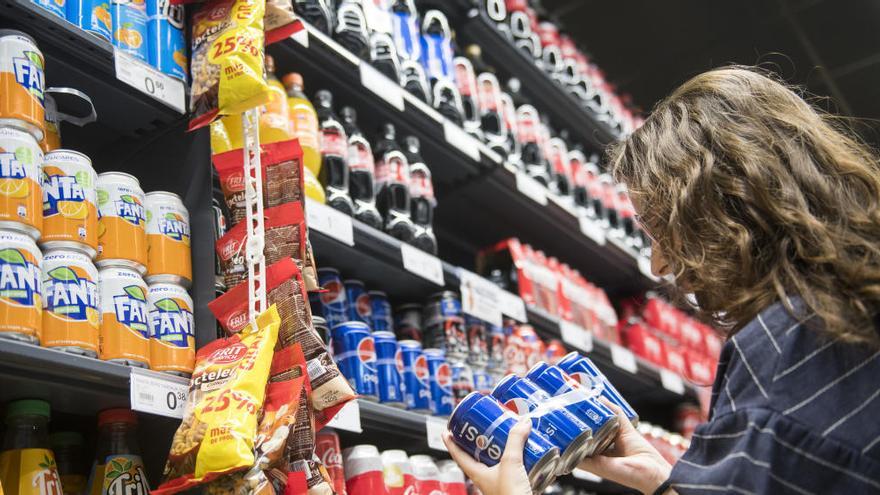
(422,264)
(143,77)
(158,393)
(434,428)
(348,418)
(315,369)
(329,221)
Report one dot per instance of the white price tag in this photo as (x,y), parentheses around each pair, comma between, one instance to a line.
(624,359)
(435,428)
(576,336)
(645,267)
(585,475)
(140,75)
(593,230)
(564,202)
(301,36)
(158,393)
(480,298)
(513,306)
(531,188)
(458,138)
(422,264)
(671,381)
(385,88)
(377,19)
(348,418)
(329,221)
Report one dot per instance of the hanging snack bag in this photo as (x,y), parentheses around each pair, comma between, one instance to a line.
(280,21)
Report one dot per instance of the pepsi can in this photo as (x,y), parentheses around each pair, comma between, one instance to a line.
(462,381)
(585,371)
(333,300)
(380,312)
(389,367)
(579,402)
(355,354)
(357,302)
(439,382)
(477,339)
(481,426)
(496,340)
(482,380)
(549,417)
(444,326)
(416,388)
(408,322)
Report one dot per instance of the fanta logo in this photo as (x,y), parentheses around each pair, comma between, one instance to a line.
(237,321)
(483,443)
(332,292)
(174,226)
(61,188)
(19,278)
(518,405)
(444,375)
(131,309)
(363,305)
(230,354)
(171,322)
(367,351)
(29,72)
(11,166)
(421,369)
(130,209)
(331,458)
(70,296)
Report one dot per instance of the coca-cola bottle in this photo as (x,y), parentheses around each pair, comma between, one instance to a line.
(392,180)
(557,155)
(351,28)
(334,151)
(422,201)
(528,124)
(383,55)
(467,88)
(362,175)
(318,13)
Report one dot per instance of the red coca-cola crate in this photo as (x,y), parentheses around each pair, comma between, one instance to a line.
(676,360)
(644,343)
(691,333)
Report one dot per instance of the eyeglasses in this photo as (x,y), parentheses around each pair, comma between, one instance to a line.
(641,225)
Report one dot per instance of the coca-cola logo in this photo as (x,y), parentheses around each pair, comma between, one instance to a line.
(421,369)
(333,291)
(518,405)
(236,321)
(367,351)
(230,249)
(444,375)
(229,354)
(363,305)
(331,458)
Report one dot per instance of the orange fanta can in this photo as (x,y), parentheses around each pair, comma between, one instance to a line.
(168,242)
(122,221)
(172,337)
(70,302)
(124,334)
(21,302)
(21,83)
(20,197)
(70,215)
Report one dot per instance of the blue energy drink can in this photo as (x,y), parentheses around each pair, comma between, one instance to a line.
(389,367)
(439,382)
(167,47)
(380,312)
(354,352)
(357,302)
(585,371)
(130,27)
(92,16)
(416,387)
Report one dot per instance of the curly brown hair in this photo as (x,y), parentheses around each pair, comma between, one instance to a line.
(753,195)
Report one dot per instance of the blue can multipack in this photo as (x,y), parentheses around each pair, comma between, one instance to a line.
(481,426)
(416,380)
(57,7)
(437,47)
(357,302)
(333,300)
(439,382)
(405,30)
(380,312)
(355,354)
(389,367)
(130,27)
(585,371)
(166,25)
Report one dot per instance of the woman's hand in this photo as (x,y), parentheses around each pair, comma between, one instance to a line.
(509,476)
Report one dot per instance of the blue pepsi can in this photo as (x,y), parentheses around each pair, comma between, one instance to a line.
(462,381)
(333,300)
(405,30)
(56,7)
(357,302)
(437,46)
(165,26)
(481,426)
(439,382)
(549,417)
(130,27)
(482,380)
(380,312)
(416,382)
(444,326)
(389,367)
(92,16)
(355,354)
(579,402)
(585,371)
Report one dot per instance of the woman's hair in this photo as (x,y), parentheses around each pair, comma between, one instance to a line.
(753,196)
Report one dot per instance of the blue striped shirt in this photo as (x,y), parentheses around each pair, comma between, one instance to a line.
(793,412)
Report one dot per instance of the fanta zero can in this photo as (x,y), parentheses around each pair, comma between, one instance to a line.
(357,302)
(165,26)
(70,215)
(333,300)
(439,382)
(21,83)
(380,312)
(130,27)
(355,353)
(389,368)
(71,305)
(122,221)
(586,372)
(172,336)
(20,196)
(92,16)
(169,258)
(480,426)
(125,333)
(21,304)
(416,390)
(56,7)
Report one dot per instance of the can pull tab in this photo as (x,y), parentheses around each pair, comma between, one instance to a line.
(72,105)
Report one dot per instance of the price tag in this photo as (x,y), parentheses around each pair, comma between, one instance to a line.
(531,188)
(585,475)
(671,381)
(348,418)
(513,306)
(566,203)
(142,76)
(158,393)
(624,359)
(480,298)
(576,336)
(458,138)
(377,19)
(385,88)
(422,264)
(593,230)
(301,36)
(329,221)
(645,267)
(435,428)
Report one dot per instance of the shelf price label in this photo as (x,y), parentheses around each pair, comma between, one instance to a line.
(671,381)
(531,188)
(576,336)
(592,230)
(645,267)
(140,75)
(422,264)
(329,221)
(513,306)
(624,359)
(480,298)
(348,418)
(383,87)
(458,138)
(158,393)
(435,428)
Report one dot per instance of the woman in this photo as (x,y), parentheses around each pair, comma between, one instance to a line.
(768,213)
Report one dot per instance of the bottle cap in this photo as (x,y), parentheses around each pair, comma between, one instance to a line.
(120,415)
(66,439)
(292,79)
(27,407)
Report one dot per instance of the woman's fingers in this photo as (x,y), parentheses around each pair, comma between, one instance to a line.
(516,442)
(472,468)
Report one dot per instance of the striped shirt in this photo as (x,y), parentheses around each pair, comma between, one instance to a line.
(793,412)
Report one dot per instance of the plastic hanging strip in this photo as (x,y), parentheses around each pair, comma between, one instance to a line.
(253,174)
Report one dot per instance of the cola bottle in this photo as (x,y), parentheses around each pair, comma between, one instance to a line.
(422,201)
(528,124)
(392,181)
(362,178)
(383,55)
(334,151)
(467,88)
(351,28)
(318,13)
(491,122)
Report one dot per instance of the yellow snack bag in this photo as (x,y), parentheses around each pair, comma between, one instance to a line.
(226,394)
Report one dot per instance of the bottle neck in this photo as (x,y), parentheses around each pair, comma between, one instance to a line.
(28,432)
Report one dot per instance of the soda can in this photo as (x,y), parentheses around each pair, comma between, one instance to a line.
(357,302)
(478,341)
(408,322)
(585,371)
(355,353)
(22,85)
(169,258)
(380,312)
(416,383)
(71,315)
(125,332)
(425,474)
(57,7)
(480,426)
(20,197)
(167,46)
(579,402)
(398,473)
(363,470)
(549,417)
(452,480)
(70,214)
(444,325)
(439,382)
(92,16)
(496,340)
(389,367)
(21,282)
(333,300)
(463,382)
(130,27)
(555,351)
(122,221)
(328,451)
(482,380)
(172,329)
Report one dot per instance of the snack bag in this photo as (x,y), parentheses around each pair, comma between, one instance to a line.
(226,394)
